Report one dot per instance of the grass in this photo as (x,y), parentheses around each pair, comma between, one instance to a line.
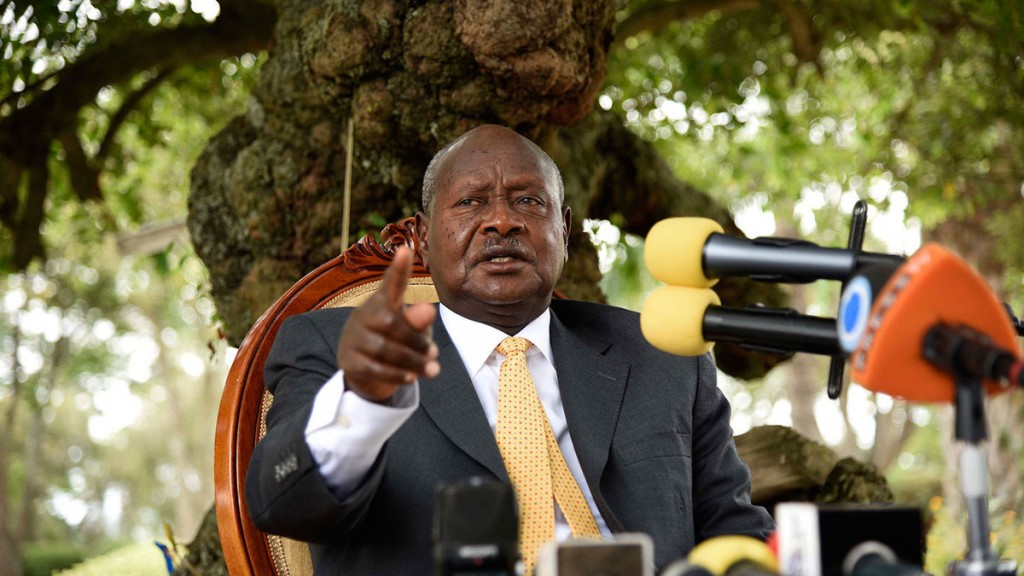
(138,559)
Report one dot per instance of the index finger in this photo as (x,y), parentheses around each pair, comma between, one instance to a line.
(396,277)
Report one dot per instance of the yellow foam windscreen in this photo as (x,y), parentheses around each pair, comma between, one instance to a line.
(673,249)
(672,319)
(721,553)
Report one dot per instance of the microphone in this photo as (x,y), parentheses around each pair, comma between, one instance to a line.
(734,556)
(825,539)
(627,554)
(476,529)
(673,244)
(911,328)
(872,558)
(682,567)
(687,321)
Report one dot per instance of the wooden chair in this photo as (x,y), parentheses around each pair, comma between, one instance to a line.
(241,421)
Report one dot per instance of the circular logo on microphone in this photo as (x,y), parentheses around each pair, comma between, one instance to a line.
(854,309)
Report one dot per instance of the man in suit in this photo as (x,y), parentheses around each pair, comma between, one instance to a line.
(377,406)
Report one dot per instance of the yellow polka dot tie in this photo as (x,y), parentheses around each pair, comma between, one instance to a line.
(534,462)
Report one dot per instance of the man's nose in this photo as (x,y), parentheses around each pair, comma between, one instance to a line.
(502,218)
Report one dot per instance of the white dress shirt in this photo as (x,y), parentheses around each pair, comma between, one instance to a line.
(345,433)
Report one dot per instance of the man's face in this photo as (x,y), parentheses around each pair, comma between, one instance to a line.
(495,240)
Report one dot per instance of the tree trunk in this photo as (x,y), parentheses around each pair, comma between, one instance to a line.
(786,466)
(10,556)
(804,379)
(267,199)
(204,554)
(892,429)
(10,546)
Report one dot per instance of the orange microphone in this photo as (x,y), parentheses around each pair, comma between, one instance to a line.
(910,329)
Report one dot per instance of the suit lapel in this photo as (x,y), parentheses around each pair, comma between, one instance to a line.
(451,402)
(592,386)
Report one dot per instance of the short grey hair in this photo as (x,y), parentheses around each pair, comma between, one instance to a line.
(430,176)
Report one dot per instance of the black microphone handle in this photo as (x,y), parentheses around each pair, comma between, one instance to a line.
(783,259)
(964,350)
(772,329)
(684,568)
(749,568)
(875,565)
(873,558)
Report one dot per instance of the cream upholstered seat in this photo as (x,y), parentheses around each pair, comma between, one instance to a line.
(241,421)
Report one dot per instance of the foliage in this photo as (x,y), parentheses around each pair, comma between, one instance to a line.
(141,350)
(65,60)
(624,279)
(45,558)
(917,474)
(785,116)
(912,106)
(112,393)
(947,539)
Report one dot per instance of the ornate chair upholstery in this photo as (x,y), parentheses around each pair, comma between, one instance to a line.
(344,281)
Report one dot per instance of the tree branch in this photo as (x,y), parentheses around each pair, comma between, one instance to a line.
(85,179)
(27,132)
(10,181)
(655,17)
(37,83)
(129,104)
(805,41)
(28,244)
(152,238)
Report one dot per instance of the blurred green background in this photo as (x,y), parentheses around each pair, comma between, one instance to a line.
(111,360)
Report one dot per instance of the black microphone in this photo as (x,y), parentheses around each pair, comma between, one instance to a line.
(961,349)
(626,554)
(476,529)
(821,539)
(686,321)
(873,558)
(672,247)
(683,567)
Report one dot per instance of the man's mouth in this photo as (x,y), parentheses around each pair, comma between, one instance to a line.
(503,258)
(502,254)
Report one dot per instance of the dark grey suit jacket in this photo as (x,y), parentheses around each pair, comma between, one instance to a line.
(651,431)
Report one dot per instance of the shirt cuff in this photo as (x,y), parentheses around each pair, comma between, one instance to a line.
(346,433)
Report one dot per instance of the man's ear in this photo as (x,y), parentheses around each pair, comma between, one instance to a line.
(567,216)
(422,227)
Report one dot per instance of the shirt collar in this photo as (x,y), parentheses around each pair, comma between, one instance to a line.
(476,341)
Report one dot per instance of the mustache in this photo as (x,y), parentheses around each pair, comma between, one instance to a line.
(503,247)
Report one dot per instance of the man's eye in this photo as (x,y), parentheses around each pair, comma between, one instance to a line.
(529,200)
(467,202)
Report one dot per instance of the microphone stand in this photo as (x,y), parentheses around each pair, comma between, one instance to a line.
(854,243)
(970,429)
